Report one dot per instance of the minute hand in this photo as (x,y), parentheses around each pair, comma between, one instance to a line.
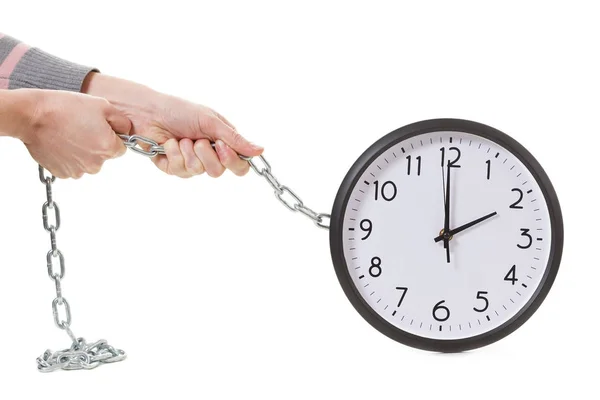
(465,226)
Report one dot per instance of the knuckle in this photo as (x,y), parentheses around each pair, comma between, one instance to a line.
(243,171)
(216,171)
(121,151)
(94,168)
(201,145)
(196,168)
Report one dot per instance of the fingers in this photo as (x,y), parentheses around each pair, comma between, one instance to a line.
(230,159)
(208,157)
(186,159)
(227,133)
(175,162)
(191,161)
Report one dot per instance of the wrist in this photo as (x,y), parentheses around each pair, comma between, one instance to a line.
(18,110)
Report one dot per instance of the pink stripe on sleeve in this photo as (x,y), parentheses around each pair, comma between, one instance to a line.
(11,61)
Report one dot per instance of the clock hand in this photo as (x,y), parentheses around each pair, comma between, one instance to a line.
(446,236)
(444,197)
(465,226)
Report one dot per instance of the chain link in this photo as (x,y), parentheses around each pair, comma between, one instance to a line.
(284,194)
(133,143)
(80,355)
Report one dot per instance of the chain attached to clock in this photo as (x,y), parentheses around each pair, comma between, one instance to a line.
(283,193)
(83,355)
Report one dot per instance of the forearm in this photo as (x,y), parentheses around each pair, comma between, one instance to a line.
(17,111)
(120,92)
(22,66)
(141,104)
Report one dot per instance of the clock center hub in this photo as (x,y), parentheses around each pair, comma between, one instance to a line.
(446,236)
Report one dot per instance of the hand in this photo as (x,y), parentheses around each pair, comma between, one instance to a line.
(461,228)
(446,235)
(70,134)
(186,130)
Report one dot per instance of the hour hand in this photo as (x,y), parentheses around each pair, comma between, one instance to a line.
(465,226)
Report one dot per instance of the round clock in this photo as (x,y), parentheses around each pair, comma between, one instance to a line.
(446,235)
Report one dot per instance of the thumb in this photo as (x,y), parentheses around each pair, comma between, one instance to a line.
(237,142)
(118,121)
(119,124)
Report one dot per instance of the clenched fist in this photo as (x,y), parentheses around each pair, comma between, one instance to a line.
(70,134)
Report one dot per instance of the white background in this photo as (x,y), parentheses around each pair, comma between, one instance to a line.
(217,291)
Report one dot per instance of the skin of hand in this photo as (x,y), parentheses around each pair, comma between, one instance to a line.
(67,133)
(185,129)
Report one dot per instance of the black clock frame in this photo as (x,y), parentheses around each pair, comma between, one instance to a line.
(341,202)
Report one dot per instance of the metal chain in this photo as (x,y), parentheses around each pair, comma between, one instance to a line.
(81,355)
(284,194)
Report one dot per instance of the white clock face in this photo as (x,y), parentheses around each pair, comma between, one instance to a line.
(397,209)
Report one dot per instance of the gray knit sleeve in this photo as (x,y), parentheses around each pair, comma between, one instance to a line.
(22,66)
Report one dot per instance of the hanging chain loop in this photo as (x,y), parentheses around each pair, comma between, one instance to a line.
(80,355)
(284,194)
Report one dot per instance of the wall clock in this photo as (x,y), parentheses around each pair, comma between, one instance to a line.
(446,235)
